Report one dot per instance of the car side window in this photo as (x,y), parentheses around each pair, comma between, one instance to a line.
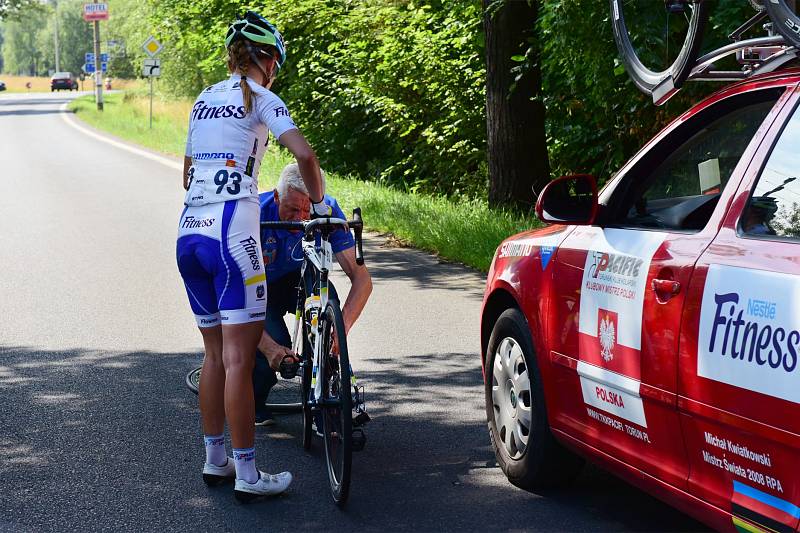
(774,207)
(677,185)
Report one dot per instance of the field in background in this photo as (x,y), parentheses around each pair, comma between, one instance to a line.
(467,232)
(40,84)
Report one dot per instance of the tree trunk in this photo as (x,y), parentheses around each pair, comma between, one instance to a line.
(517,145)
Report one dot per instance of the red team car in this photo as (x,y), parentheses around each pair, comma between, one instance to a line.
(654,327)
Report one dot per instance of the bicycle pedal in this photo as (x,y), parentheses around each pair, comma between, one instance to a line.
(361,418)
(359,440)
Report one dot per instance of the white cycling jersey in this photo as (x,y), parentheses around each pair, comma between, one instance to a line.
(226,145)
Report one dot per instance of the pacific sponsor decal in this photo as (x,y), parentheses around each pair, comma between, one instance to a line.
(201,111)
(612,299)
(262,314)
(191,222)
(250,246)
(610,321)
(202,156)
(750,331)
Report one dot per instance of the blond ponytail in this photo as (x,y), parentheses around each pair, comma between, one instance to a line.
(239,59)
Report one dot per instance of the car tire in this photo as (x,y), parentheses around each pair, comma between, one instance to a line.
(515,397)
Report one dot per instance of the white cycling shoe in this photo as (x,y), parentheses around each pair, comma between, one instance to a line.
(214,475)
(267,485)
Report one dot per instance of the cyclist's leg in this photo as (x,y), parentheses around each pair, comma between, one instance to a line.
(197,250)
(212,383)
(239,341)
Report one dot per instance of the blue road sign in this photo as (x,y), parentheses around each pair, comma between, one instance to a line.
(88,68)
(89,58)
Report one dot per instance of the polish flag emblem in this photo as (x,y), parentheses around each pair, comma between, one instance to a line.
(607,333)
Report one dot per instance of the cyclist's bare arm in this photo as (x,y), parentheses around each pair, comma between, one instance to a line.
(307,162)
(361,281)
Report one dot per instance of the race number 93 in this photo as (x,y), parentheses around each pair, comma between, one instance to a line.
(221,180)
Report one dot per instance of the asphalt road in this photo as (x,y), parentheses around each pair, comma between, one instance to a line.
(98,432)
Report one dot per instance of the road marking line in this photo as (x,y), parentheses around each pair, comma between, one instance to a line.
(69,119)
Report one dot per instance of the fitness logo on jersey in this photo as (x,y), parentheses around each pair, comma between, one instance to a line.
(750,331)
(250,246)
(201,111)
(191,222)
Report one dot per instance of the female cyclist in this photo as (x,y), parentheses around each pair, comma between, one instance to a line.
(219,250)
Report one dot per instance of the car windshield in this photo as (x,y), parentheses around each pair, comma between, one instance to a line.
(62,75)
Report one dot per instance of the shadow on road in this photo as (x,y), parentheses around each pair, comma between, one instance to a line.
(32,101)
(26,112)
(425,271)
(92,440)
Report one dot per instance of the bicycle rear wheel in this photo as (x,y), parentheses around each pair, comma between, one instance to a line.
(284,397)
(336,404)
(659,41)
(193,379)
(787,22)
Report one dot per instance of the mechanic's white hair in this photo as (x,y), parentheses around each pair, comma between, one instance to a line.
(290,178)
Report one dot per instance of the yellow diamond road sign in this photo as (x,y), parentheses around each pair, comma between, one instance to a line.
(151,46)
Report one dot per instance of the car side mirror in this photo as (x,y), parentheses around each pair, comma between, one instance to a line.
(569,200)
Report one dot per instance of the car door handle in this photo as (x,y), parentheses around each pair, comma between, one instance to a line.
(666,286)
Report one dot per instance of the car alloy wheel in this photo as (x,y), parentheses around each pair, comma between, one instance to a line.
(511,397)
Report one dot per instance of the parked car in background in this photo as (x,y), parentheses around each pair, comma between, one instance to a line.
(654,326)
(2,86)
(63,80)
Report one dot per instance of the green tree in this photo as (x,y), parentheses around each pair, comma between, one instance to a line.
(515,112)
(20,49)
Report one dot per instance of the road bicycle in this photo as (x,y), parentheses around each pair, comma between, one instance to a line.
(328,392)
(661,52)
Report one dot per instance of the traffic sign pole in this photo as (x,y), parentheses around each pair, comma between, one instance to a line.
(98,72)
(151,102)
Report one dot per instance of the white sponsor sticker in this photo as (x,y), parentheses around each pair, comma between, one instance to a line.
(612,393)
(750,331)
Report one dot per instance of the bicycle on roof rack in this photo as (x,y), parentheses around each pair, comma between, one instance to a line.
(660,62)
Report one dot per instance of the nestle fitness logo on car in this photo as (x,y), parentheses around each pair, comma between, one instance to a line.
(749,336)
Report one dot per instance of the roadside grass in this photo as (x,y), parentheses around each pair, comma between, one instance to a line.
(41,84)
(464,231)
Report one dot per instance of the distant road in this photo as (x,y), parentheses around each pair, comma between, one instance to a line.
(98,432)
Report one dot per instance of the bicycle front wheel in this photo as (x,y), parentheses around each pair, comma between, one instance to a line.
(787,22)
(193,380)
(337,403)
(659,41)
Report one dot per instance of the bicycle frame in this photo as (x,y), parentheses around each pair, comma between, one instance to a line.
(318,255)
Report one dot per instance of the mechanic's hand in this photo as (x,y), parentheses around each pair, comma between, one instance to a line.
(276,353)
(320,209)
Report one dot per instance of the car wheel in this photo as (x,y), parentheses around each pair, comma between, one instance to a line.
(515,410)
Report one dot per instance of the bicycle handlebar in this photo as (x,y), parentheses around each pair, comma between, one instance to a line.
(309,226)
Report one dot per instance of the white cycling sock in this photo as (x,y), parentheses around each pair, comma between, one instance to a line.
(244,459)
(215,450)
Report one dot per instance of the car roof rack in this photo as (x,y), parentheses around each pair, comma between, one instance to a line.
(757,55)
